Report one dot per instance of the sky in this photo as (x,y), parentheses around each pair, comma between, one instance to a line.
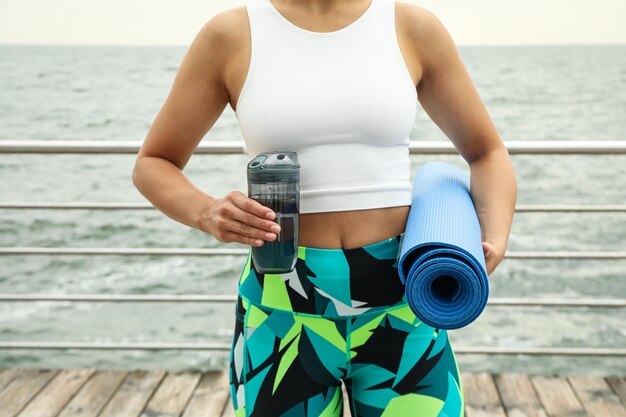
(169,22)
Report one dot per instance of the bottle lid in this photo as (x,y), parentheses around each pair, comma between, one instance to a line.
(275,166)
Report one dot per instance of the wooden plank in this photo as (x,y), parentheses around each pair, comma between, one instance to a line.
(597,396)
(518,395)
(132,396)
(7,375)
(24,386)
(619,386)
(481,396)
(85,392)
(229,410)
(557,396)
(57,393)
(93,396)
(210,397)
(173,394)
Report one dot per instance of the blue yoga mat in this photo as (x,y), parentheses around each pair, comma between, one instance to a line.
(441,261)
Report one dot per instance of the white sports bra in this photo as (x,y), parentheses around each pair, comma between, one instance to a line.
(343,100)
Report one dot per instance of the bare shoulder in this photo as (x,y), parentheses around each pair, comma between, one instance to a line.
(224,33)
(419,22)
(227,24)
(429,37)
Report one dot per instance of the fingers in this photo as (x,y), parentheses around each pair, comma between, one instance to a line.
(236,237)
(251,206)
(249,231)
(246,221)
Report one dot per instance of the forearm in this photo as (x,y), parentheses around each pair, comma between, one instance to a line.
(169,190)
(493,188)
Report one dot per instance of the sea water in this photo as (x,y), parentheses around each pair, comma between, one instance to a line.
(113,93)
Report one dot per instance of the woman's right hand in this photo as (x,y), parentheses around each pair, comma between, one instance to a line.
(238,218)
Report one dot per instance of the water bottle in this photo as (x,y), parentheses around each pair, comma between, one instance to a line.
(274,181)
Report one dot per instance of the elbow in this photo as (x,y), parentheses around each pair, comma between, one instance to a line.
(483,155)
(135,175)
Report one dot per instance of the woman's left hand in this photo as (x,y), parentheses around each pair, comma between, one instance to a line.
(493,256)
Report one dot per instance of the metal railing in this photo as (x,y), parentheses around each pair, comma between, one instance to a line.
(238,147)
(580,255)
(546,147)
(503,350)
(74,205)
(231,298)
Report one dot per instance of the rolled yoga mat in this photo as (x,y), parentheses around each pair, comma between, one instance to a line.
(441,261)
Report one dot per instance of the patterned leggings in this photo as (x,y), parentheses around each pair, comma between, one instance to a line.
(340,315)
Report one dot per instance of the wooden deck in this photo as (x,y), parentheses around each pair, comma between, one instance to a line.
(158,393)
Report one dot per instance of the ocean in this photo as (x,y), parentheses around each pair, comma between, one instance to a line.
(113,93)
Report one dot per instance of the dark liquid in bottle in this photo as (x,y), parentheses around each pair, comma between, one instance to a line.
(279,255)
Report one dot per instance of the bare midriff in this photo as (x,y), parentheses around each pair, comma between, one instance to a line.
(351,229)
(336,229)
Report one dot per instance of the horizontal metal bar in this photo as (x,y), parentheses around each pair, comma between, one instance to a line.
(114,346)
(75,205)
(599,208)
(504,350)
(558,302)
(106,147)
(231,298)
(582,255)
(573,351)
(122,251)
(238,147)
(228,298)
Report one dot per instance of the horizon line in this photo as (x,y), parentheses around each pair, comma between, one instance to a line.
(187,45)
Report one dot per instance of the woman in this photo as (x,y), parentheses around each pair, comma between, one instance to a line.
(338,82)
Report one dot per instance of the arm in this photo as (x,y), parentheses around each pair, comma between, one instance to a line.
(196,100)
(449,97)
